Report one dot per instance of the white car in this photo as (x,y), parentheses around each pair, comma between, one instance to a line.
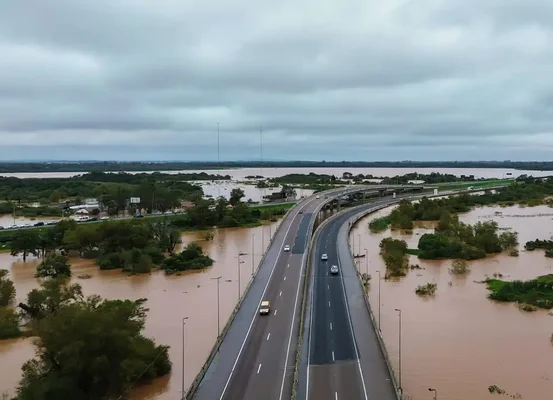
(287,247)
(324,257)
(317,197)
(334,269)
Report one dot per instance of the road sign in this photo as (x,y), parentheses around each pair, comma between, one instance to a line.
(135,200)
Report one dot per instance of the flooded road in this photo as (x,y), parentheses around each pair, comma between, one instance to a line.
(170,298)
(459,342)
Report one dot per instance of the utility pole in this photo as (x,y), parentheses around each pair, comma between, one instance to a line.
(218,163)
(218,306)
(261,160)
(183,354)
(367,261)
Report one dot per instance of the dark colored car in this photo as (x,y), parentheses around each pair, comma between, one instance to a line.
(39,224)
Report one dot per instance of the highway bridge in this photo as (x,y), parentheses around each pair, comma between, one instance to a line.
(255,356)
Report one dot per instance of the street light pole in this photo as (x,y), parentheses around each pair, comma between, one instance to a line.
(359,243)
(218,319)
(379,300)
(239,285)
(435,393)
(253,250)
(399,311)
(367,260)
(183,353)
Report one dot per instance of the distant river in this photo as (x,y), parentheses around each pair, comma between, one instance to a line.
(241,173)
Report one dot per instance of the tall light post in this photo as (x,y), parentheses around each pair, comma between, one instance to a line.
(379,300)
(399,313)
(183,354)
(358,243)
(435,393)
(218,307)
(239,285)
(253,252)
(367,261)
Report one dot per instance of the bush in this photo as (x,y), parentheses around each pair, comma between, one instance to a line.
(426,290)
(192,257)
(459,267)
(379,224)
(54,266)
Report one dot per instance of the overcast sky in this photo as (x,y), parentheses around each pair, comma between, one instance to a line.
(327,79)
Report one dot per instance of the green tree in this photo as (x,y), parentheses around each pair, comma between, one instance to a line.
(54,266)
(25,242)
(7,289)
(52,295)
(92,350)
(236,196)
(9,323)
(508,240)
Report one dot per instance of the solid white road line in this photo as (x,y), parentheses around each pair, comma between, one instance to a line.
(335,395)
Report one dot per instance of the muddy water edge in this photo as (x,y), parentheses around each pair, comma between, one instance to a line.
(170,298)
(458,341)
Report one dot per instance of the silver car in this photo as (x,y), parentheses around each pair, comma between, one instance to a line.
(334,269)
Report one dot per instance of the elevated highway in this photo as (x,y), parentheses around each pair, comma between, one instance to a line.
(255,357)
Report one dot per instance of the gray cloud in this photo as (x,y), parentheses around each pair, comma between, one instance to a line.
(327,80)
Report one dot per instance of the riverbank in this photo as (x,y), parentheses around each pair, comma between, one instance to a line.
(169,299)
(458,340)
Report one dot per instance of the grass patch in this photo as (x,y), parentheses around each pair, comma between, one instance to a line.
(536,292)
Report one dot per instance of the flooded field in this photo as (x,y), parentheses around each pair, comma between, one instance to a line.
(170,298)
(458,341)
(241,173)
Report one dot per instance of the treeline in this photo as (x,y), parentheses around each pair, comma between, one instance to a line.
(531,295)
(546,245)
(308,179)
(434,177)
(455,239)
(156,191)
(529,191)
(82,166)
(87,347)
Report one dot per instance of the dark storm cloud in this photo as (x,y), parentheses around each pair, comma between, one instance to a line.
(326,79)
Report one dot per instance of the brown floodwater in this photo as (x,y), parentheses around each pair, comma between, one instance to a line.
(170,298)
(458,341)
(241,173)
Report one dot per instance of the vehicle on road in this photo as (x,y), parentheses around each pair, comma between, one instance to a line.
(265,308)
(39,224)
(1,228)
(324,257)
(317,197)
(334,269)
(287,247)
(301,212)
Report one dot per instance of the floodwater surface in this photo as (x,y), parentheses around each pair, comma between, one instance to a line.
(170,299)
(458,341)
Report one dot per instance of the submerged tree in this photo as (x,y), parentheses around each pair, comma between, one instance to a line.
(87,348)
(54,266)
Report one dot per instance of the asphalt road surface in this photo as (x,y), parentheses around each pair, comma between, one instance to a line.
(257,357)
